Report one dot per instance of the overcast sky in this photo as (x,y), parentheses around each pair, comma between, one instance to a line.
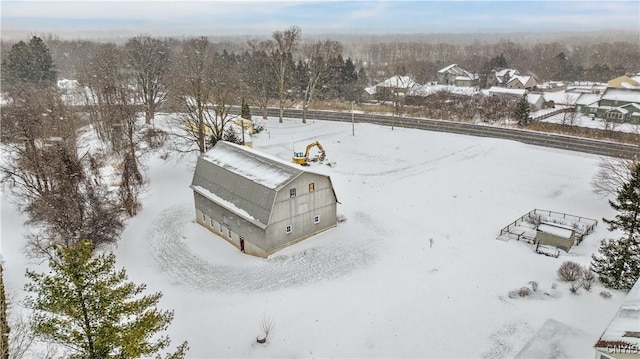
(185,17)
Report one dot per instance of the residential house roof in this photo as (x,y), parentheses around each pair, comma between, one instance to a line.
(625,81)
(634,108)
(495,90)
(622,95)
(398,82)
(524,80)
(505,74)
(242,180)
(624,328)
(426,90)
(587,99)
(562,98)
(450,68)
(534,98)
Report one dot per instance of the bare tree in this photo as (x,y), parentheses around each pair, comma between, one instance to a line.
(611,175)
(569,115)
(206,89)
(116,100)
(285,43)
(148,58)
(259,78)
(318,64)
(110,99)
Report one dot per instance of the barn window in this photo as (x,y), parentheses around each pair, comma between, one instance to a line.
(289,229)
(316,219)
(204,218)
(221,229)
(292,192)
(312,187)
(211,222)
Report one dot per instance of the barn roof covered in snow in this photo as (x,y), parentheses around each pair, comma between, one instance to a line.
(242,180)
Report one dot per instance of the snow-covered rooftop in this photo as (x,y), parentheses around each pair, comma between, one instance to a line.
(521,78)
(263,169)
(448,68)
(562,98)
(495,90)
(625,326)
(398,82)
(556,230)
(587,99)
(622,95)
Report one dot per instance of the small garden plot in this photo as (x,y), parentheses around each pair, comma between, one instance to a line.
(549,230)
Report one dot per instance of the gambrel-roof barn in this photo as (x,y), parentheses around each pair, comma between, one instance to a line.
(260,203)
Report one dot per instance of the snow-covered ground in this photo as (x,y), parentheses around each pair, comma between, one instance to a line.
(374,286)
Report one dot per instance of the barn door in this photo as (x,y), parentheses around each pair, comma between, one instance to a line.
(241,244)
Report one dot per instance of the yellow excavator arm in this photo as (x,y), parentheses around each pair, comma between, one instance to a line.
(301,159)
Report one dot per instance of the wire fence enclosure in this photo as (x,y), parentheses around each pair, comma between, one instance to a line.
(525,227)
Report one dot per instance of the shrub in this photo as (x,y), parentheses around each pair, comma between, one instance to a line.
(605,294)
(534,285)
(524,292)
(588,277)
(155,138)
(575,286)
(258,126)
(570,271)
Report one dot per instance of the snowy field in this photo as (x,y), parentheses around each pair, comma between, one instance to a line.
(373,286)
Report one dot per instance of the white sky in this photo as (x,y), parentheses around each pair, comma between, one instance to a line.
(184,18)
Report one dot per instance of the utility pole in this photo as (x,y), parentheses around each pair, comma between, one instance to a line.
(353,127)
(242,124)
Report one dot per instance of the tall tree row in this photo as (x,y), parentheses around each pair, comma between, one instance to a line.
(43,167)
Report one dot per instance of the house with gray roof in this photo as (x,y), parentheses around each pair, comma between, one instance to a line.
(259,203)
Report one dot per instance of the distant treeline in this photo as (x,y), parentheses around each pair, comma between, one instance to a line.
(583,56)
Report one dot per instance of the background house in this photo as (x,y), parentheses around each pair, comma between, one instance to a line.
(457,76)
(260,203)
(501,77)
(522,82)
(625,81)
(394,87)
(621,105)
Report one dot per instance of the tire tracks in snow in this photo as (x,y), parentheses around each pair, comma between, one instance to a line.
(306,267)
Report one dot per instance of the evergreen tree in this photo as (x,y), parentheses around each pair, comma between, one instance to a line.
(618,265)
(245,112)
(521,112)
(28,64)
(4,325)
(88,306)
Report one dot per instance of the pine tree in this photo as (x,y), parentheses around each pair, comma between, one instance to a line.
(4,325)
(245,111)
(521,112)
(88,306)
(618,265)
(29,63)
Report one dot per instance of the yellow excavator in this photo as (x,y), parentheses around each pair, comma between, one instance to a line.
(303,158)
